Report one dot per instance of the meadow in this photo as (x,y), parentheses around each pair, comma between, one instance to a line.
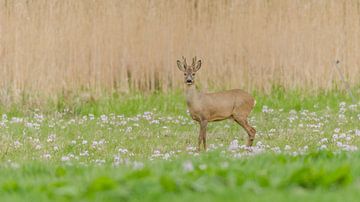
(143,148)
(92,106)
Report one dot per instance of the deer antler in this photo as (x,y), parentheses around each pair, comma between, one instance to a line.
(194,61)
(184,60)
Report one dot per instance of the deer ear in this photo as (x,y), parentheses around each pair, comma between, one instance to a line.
(181,66)
(197,66)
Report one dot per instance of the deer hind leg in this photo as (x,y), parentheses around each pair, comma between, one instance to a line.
(249,129)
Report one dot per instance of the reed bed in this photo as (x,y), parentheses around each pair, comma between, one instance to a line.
(52,46)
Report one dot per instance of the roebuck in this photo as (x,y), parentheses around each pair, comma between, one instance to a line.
(233,104)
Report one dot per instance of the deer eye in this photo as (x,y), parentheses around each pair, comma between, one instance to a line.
(184,74)
(193,74)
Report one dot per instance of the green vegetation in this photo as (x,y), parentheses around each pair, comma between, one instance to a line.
(143,148)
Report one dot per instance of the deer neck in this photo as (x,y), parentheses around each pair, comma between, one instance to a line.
(192,96)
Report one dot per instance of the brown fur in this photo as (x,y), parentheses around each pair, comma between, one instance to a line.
(233,104)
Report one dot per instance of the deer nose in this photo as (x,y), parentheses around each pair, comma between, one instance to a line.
(189,81)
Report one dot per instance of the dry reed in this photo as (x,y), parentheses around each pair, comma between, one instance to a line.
(52,46)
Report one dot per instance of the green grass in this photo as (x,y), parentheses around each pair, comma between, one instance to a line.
(141,148)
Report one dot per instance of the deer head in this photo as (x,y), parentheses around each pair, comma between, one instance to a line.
(189,70)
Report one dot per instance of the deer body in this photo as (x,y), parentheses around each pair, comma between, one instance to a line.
(233,104)
(218,106)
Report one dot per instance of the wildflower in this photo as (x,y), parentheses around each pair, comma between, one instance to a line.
(123,151)
(65,158)
(51,138)
(99,161)
(128,129)
(224,165)
(190,148)
(85,153)
(104,118)
(94,144)
(234,145)
(324,140)
(202,166)
(357,132)
(166,156)
(276,150)
(323,147)
(47,156)
(287,147)
(155,122)
(137,165)
(17,144)
(117,160)
(339,144)
(188,166)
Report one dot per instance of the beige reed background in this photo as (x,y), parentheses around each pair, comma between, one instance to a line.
(52,46)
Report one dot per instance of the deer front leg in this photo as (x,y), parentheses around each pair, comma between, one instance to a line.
(202,135)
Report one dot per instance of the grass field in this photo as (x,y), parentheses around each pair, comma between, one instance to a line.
(49,46)
(91,107)
(142,148)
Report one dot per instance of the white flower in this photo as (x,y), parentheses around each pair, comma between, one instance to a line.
(91,116)
(84,142)
(65,158)
(123,151)
(357,132)
(324,140)
(94,143)
(202,166)
(47,156)
(342,104)
(17,144)
(287,147)
(128,129)
(85,153)
(276,150)
(99,161)
(224,165)
(234,145)
(104,118)
(137,165)
(339,144)
(190,148)
(117,160)
(155,122)
(188,166)
(51,138)
(166,156)
(323,147)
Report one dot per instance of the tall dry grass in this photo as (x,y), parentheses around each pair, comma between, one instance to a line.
(51,46)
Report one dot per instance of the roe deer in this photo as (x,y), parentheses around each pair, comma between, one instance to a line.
(233,104)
